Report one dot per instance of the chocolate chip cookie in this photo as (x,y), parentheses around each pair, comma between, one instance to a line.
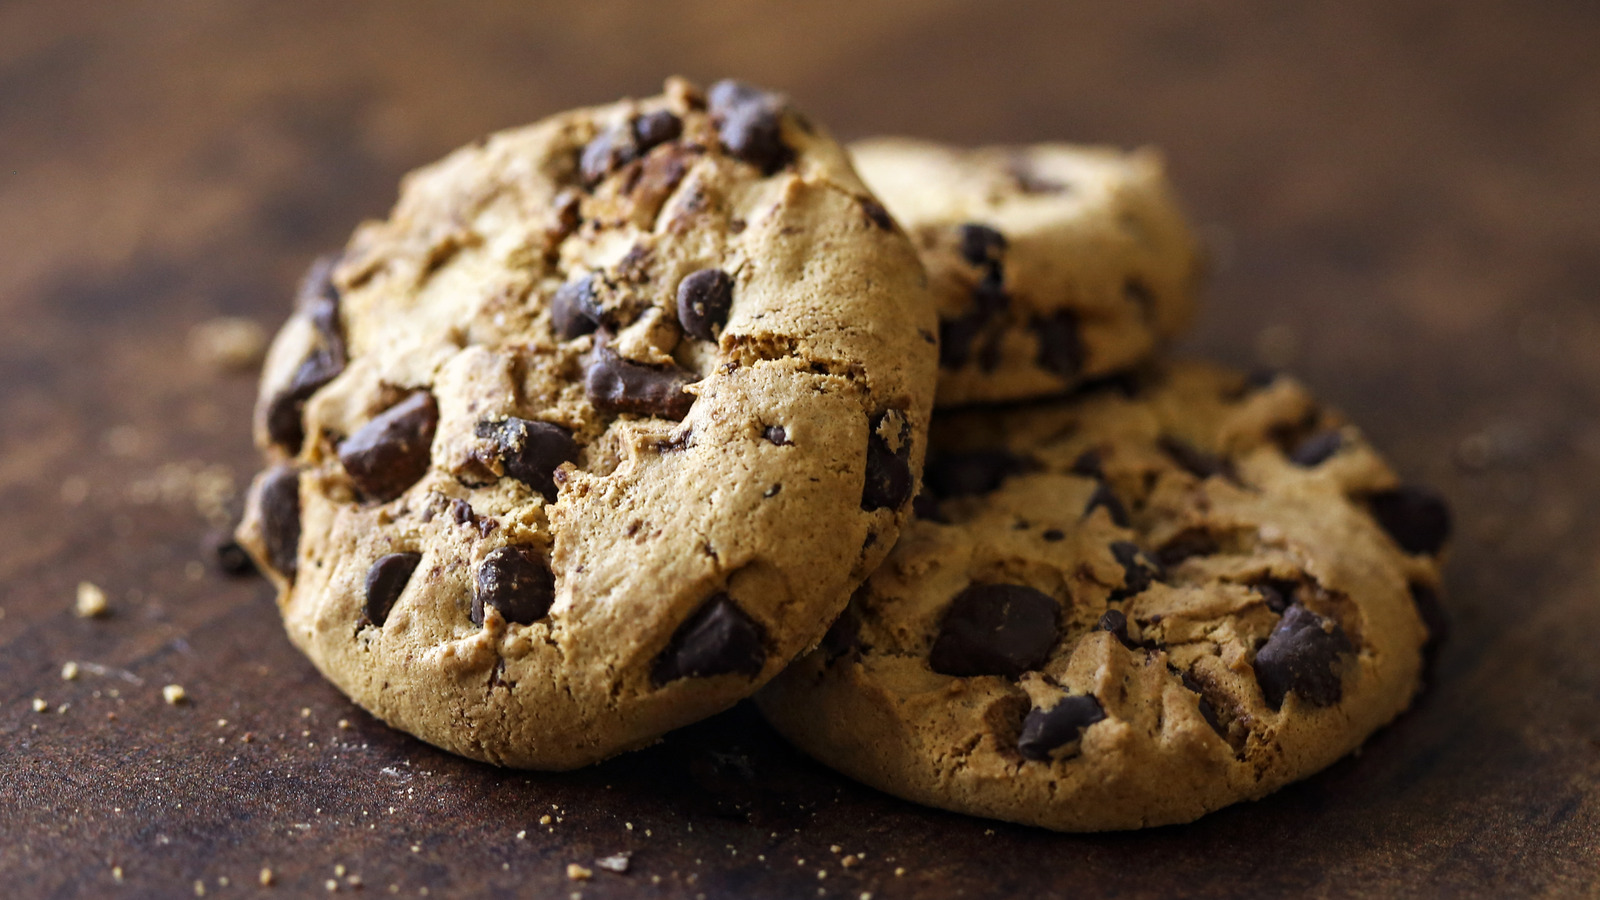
(1129,609)
(1051,264)
(598,429)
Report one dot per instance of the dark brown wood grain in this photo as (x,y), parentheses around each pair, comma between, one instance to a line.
(1403,205)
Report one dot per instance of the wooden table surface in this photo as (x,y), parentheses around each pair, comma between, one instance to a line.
(1403,200)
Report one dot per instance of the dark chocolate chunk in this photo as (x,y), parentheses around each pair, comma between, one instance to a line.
(1431,610)
(980,244)
(1186,544)
(656,128)
(385,580)
(1053,534)
(611,149)
(1116,622)
(888,482)
(1207,711)
(719,638)
(1046,730)
(318,298)
(1193,460)
(515,581)
(230,558)
(1138,570)
(1088,465)
(844,635)
(989,297)
(529,450)
(390,452)
(1103,496)
(286,411)
(962,474)
(617,385)
(776,435)
(1277,592)
(704,299)
(926,506)
(1060,345)
(1417,518)
(1140,295)
(1302,655)
(1316,449)
(749,121)
(956,337)
(996,629)
(279,506)
(875,213)
(575,308)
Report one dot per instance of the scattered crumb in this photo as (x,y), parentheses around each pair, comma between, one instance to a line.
(835,848)
(338,870)
(849,861)
(91,601)
(69,672)
(354,881)
(866,895)
(228,343)
(331,885)
(266,877)
(821,874)
(344,724)
(116,874)
(199,888)
(628,825)
(576,872)
(616,862)
(899,870)
(40,706)
(544,820)
(522,835)
(305,712)
(175,695)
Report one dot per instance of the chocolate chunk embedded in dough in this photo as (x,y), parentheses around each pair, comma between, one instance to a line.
(617,385)
(279,505)
(529,450)
(1417,518)
(704,299)
(390,453)
(717,639)
(996,629)
(1047,730)
(385,580)
(1302,656)
(515,581)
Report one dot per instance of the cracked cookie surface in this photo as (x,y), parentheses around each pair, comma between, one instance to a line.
(1051,264)
(1129,608)
(597,430)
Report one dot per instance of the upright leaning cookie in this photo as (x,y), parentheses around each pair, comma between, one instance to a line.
(1124,611)
(1051,264)
(598,430)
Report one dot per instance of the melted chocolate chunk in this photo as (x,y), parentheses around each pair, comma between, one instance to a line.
(1302,655)
(844,636)
(611,149)
(956,474)
(888,482)
(655,128)
(575,308)
(319,299)
(749,122)
(956,337)
(875,213)
(995,629)
(515,581)
(1047,730)
(1116,622)
(279,505)
(719,638)
(285,418)
(1193,460)
(1207,711)
(1316,449)
(617,385)
(529,450)
(1431,610)
(1277,592)
(704,299)
(1088,465)
(926,506)
(1138,570)
(1186,544)
(1060,345)
(230,558)
(385,580)
(981,245)
(390,453)
(776,435)
(1417,518)
(1103,496)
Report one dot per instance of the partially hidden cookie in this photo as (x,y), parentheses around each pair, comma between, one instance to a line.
(597,430)
(1129,609)
(1051,264)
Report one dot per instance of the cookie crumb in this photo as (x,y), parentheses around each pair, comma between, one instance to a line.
(228,343)
(338,870)
(898,871)
(354,881)
(69,672)
(331,885)
(92,602)
(40,706)
(628,825)
(522,835)
(835,848)
(616,862)
(116,874)
(576,872)
(344,724)
(199,888)
(849,861)
(544,820)
(265,878)
(175,695)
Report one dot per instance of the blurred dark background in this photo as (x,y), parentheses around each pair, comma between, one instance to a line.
(1403,209)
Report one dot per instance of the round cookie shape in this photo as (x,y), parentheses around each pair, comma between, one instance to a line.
(1128,609)
(598,430)
(1051,264)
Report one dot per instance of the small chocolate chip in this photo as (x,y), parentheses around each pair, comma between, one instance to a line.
(1316,449)
(575,308)
(1138,570)
(611,149)
(1088,465)
(285,417)
(319,299)
(230,558)
(1431,610)
(656,128)
(1302,656)
(776,435)
(617,385)
(995,629)
(1103,496)
(888,471)
(749,121)
(515,581)
(1060,345)
(385,580)
(1116,622)
(1046,730)
(1053,534)
(1277,592)
(1185,545)
(390,453)
(719,638)
(980,244)
(1193,460)
(956,337)
(279,505)
(1207,711)
(989,296)
(844,636)
(1417,518)
(963,474)
(529,450)
(704,300)
(875,213)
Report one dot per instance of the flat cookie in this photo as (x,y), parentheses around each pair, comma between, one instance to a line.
(598,430)
(1129,610)
(1052,264)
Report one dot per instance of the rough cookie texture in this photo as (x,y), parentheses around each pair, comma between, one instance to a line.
(1128,609)
(1051,264)
(598,430)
